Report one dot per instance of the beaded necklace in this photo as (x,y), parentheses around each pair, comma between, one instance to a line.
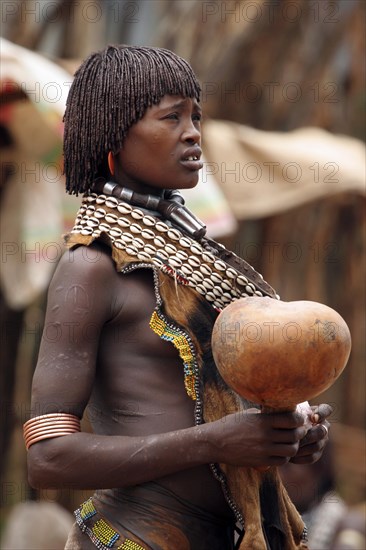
(217,274)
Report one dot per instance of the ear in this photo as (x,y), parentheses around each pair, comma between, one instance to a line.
(111,162)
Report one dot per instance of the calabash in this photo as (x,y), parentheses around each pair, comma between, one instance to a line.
(278,354)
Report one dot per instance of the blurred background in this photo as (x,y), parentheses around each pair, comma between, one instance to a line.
(283,183)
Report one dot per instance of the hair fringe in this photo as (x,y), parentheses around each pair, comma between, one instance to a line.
(111,91)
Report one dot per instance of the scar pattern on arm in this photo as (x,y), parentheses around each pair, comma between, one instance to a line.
(78,298)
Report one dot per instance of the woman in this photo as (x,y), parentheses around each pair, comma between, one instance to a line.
(131,309)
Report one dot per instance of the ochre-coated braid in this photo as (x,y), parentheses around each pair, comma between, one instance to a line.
(111,91)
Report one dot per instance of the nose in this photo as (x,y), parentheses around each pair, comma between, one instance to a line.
(191,133)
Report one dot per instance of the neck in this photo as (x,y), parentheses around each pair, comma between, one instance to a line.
(171,205)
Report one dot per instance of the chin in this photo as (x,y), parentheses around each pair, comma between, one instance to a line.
(190,184)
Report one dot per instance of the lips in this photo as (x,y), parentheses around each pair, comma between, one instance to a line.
(191,158)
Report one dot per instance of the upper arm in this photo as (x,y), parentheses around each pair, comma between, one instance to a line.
(79,303)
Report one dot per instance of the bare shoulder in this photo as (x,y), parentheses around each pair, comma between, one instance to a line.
(85,262)
(85,275)
(86,285)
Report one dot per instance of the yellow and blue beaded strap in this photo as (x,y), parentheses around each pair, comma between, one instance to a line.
(180,341)
(101,533)
(87,509)
(105,533)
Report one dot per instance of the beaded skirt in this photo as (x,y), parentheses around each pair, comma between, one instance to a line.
(151,517)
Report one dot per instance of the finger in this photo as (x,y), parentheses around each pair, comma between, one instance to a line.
(286,421)
(278,460)
(306,459)
(311,449)
(288,436)
(320,413)
(283,450)
(326,430)
(315,434)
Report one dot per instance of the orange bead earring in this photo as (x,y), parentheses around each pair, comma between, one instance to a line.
(111,163)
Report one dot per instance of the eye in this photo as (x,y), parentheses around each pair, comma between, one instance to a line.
(197,117)
(172,116)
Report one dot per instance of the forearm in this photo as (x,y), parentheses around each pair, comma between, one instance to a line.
(85,461)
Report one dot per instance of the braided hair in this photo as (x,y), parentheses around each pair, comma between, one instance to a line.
(111,91)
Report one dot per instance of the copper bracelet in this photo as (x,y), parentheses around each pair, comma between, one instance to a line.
(50,429)
(48,426)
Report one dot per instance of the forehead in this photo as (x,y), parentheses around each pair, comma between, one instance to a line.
(176,101)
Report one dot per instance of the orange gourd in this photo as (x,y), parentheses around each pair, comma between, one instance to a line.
(278,354)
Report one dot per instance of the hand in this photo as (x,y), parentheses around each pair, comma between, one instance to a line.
(312,445)
(257,440)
